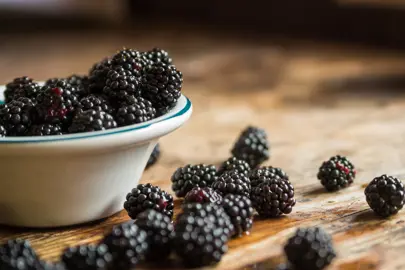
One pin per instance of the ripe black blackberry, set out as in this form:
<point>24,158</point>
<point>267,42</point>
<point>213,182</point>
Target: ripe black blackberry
<point>95,102</point>
<point>232,182</point>
<point>92,120</point>
<point>17,116</point>
<point>44,130</point>
<point>203,195</point>
<point>127,244</point>
<point>385,195</point>
<point>81,82</point>
<point>147,196</point>
<point>134,110</point>
<point>88,257</point>
<point>3,131</point>
<point>310,249</point>
<point>157,55</point>
<point>131,60</point>
<point>161,84</point>
<point>261,174</point>
<point>16,85</point>
<point>18,254</point>
<point>160,233</point>
<point>239,209</point>
<point>190,176</point>
<point>121,83</point>
<point>252,146</point>
<point>234,164</point>
<point>273,197</point>
<point>336,173</point>
<point>98,75</point>
<point>154,156</point>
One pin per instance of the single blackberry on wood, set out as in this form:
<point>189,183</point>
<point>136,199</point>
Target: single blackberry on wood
<point>273,197</point>
<point>147,196</point>
<point>190,176</point>
<point>261,174</point>
<point>95,102</point>
<point>98,75</point>
<point>239,209</point>
<point>44,130</point>
<point>160,233</point>
<point>18,254</point>
<point>336,173</point>
<point>88,257</point>
<point>232,182</point>
<point>234,164</point>
<point>385,195</point>
<point>15,86</point>
<point>203,195</point>
<point>127,244</point>
<point>134,110</point>
<point>17,116</point>
<point>157,55</point>
<point>121,83</point>
<point>92,120</point>
<point>310,249</point>
<point>154,156</point>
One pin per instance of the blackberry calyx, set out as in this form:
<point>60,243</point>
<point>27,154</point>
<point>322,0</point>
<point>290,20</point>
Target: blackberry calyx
<point>153,158</point>
<point>134,110</point>
<point>44,130</point>
<point>92,120</point>
<point>336,173</point>
<point>232,182</point>
<point>259,175</point>
<point>17,116</point>
<point>239,209</point>
<point>234,164</point>
<point>203,195</point>
<point>88,257</point>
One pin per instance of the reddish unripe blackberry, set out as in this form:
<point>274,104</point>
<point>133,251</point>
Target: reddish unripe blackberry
<point>336,173</point>
<point>203,195</point>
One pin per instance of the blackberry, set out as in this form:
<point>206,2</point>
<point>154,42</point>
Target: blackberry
<point>190,176</point>
<point>17,116</point>
<point>44,130</point>
<point>234,164</point>
<point>131,60</point>
<point>385,195</point>
<point>161,84</point>
<point>310,249</point>
<point>15,86</point>
<point>92,120</point>
<point>261,174</point>
<point>121,83</point>
<point>52,82</point>
<point>18,254</point>
<point>95,102</point>
<point>88,257</point>
<point>81,82</point>
<point>127,244</point>
<point>273,197</point>
<point>336,173</point>
<point>154,156</point>
<point>157,55</point>
<point>252,146</point>
<point>3,132</point>
<point>134,110</point>
<point>98,75</point>
<point>160,231</point>
<point>147,196</point>
<point>203,195</point>
<point>232,182</point>
<point>239,209</point>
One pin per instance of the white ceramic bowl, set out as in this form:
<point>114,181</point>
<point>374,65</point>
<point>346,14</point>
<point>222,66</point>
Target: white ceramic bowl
<point>63,180</point>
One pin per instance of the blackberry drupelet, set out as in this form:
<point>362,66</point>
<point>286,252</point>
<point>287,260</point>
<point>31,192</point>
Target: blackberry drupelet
<point>121,83</point>
<point>232,182</point>
<point>157,55</point>
<point>385,195</point>
<point>161,84</point>
<point>234,164</point>
<point>127,244</point>
<point>44,130</point>
<point>92,120</point>
<point>14,86</point>
<point>98,75</point>
<point>3,131</point>
<point>88,257</point>
<point>261,174</point>
<point>252,146</point>
<point>239,209</point>
<point>134,110</point>
<point>147,196</point>
<point>310,249</point>
<point>17,116</point>
<point>18,254</point>
<point>160,233</point>
<point>190,176</point>
<point>95,102</point>
<point>336,173</point>
<point>203,195</point>
<point>273,197</point>
<point>154,156</point>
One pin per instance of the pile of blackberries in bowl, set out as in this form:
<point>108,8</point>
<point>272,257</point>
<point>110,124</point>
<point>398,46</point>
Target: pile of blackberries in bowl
<point>129,87</point>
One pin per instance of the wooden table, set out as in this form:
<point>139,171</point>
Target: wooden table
<point>315,100</point>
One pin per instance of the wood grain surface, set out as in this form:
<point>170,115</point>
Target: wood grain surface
<point>315,101</point>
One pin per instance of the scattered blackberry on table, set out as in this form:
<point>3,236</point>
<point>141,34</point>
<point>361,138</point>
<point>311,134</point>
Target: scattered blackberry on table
<point>121,83</point>
<point>261,174</point>
<point>127,244</point>
<point>92,120</point>
<point>95,102</point>
<point>273,197</point>
<point>310,249</point>
<point>336,173</point>
<point>88,257</point>
<point>252,146</point>
<point>98,75</point>
<point>147,196</point>
<point>3,131</point>
<point>17,116</point>
<point>203,195</point>
<point>44,130</point>
<point>385,195</point>
<point>232,182</point>
<point>16,85</point>
<point>18,254</point>
<point>160,233</point>
<point>234,164</point>
<point>134,110</point>
<point>157,55</point>
<point>239,209</point>
<point>186,178</point>
<point>154,156</point>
